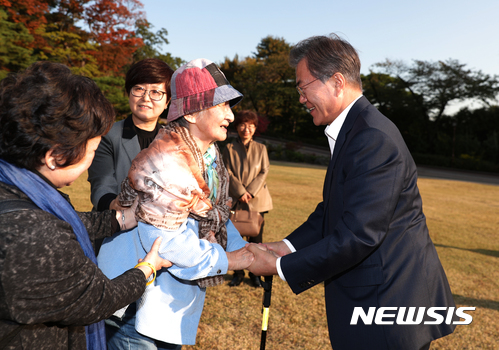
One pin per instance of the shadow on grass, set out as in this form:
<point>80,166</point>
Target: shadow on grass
<point>488,252</point>
<point>479,303</point>
<point>229,276</point>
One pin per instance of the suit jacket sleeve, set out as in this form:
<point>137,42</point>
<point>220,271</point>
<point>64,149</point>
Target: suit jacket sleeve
<point>360,197</point>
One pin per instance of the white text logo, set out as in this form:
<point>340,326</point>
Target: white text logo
<point>398,315</point>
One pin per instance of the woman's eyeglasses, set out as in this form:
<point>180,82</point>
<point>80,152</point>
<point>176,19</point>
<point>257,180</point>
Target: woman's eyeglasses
<point>155,95</point>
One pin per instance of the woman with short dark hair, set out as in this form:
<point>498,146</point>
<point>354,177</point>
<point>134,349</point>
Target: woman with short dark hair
<point>147,86</point>
<point>50,286</point>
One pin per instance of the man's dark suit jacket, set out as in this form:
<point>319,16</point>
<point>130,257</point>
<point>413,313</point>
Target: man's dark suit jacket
<point>368,240</point>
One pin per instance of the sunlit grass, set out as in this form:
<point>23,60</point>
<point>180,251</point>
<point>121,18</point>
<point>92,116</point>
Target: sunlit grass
<point>462,218</point>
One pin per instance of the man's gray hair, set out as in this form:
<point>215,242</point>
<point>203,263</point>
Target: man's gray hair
<point>327,55</point>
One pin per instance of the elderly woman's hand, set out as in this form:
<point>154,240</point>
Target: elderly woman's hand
<point>153,258</point>
<point>126,215</point>
<point>115,205</point>
<point>240,259</point>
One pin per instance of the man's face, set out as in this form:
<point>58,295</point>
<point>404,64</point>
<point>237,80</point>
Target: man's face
<point>323,100</point>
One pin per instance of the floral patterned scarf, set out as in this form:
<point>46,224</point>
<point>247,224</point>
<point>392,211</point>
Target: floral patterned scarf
<point>174,180</point>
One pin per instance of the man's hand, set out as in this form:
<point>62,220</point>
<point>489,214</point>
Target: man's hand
<point>265,260</point>
<point>280,248</point>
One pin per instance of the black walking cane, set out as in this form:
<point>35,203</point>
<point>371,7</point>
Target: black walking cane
<point>267,287</point>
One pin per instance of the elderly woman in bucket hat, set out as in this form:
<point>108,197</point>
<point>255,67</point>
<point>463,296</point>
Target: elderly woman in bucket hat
<point>182,188</point>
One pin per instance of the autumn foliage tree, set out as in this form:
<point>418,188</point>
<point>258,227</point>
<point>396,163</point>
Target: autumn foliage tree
<point>112,28</point>
<point>102,38</point>
<point>30,14</point>
<point>92,37</point>
<point>12,56</point>
<point>96,38</point>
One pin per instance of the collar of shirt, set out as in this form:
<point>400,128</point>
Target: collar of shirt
<point>333,129</point>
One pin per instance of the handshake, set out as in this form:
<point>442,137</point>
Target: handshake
<point>260,259</point>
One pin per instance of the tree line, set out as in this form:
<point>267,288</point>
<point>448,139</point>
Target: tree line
<point>102,38</point>
<point>417,97</point>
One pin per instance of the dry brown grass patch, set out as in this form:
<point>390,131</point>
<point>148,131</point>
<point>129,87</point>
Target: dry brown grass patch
<point>462,218</point>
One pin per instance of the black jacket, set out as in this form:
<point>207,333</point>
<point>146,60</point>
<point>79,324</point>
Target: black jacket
<point>48,285</point>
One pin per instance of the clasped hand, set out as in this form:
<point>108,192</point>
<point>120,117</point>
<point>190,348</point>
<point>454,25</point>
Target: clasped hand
<point>260,259</point>
<point>266,255</point>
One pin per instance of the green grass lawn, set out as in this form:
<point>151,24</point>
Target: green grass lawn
<point>462,218</point>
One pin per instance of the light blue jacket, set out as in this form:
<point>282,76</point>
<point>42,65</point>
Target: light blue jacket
<point>170,308</point>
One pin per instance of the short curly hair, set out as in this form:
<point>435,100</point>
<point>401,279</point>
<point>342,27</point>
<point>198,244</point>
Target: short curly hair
<point>46,107</point>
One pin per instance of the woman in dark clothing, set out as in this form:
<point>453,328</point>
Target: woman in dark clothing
<point>50,286</point>
<point>147,85</point>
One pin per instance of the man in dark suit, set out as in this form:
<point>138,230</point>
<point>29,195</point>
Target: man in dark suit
<point>367,240</point>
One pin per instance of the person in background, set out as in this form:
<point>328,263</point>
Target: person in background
<point>247,162</point>
<point>367,241</point>
<point>188,206</point>
<point>147,85</point>
<point>50,287</point>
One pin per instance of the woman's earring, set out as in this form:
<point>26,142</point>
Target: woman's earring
<point>52,167</point>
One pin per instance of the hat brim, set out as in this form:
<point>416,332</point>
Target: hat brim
<point>207,99</point>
